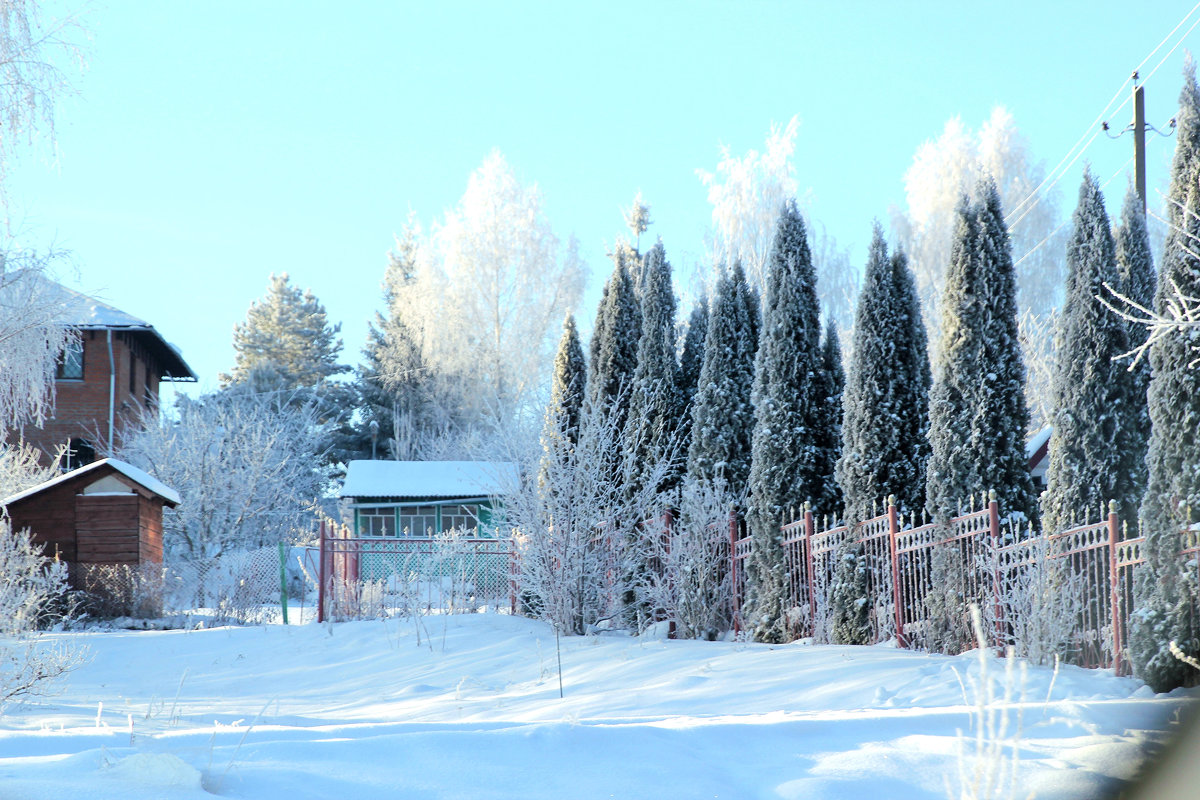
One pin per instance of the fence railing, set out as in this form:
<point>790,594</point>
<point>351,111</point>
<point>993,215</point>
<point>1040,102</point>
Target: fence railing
<point>1091,567</point>
<point>368,577</point>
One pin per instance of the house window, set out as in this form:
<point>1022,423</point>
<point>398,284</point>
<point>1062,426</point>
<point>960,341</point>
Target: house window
<point>70,363</point>
<point>79,453</point>
<point>464,518</point>
<point>377,522</point>
<point>418,520</point>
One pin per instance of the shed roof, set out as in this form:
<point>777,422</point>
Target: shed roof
<point>429,479</point>
<point>140,477</point>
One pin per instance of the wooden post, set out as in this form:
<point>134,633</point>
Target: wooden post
<point>322,571</point>
<point>994,529</point>
<point>808,547</point>
<point>1114,580</point>
<point>893,532</point>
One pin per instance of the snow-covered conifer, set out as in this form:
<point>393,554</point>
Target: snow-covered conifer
<point>789,409</point>
<point>691,357</point>
<point>884,444</point>
<point>1094,395</point>
<point>286,341</point>
<point>613,349</point>
<point>654,401</point>
<point>832,387</point>
<point>568,382</point>
<point>977,409</point>
<point>1135,274</point>
<point>1165,590</point>
<point>849,596</point>
<point>722,417</point>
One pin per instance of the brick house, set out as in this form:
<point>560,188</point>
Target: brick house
<point>113,372</point>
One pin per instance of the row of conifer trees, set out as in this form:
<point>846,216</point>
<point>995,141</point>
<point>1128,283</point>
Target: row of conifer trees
<point>757,400</point>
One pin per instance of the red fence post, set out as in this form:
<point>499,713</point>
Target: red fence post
<point>893,532</point>
<point>808,557</point>
<point>1114,580</point>
<point>994,529</point>
<point>322,571</point>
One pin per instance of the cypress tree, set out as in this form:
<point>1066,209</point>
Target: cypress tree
<point>884,444</point>
<point>1093,394</point>
<point>1165,590</point>
<point>722,418</point>
<point>654,402</point>
<point>789,408</point>
<point>1135,276</point>
<point>829,436</point>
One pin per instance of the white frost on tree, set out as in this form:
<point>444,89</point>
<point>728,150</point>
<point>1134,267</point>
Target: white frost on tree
<point>491,289</point>
<point>953,164</point>
<point>34,312</point>
<point>747,193</point>
<point>245,464</point>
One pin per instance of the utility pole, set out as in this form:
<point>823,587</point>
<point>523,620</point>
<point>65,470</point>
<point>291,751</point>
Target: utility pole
<point>1139,140</point>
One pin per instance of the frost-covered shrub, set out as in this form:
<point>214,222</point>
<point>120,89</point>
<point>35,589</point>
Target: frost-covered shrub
<point>1041,601</point>
<point>33,595</point>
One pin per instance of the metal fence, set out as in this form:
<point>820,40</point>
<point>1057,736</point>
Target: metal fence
<point>361,577</point>
<point>1088,571</point>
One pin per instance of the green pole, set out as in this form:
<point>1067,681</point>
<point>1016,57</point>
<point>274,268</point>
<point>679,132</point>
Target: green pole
<point>283,581</point>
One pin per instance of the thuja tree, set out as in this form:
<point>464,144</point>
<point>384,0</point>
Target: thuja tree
<point>1094,394</point>
<point>884,443</point>
<point>654,400</point>
<point>828,494</point>
<point>789,408</point>
<point>613,349</point>
<point>569,380</point>
<point>1135,275</point>
<point>977,409</point>
<point>1165,591</point>
<point>691,358</point>
<point>722,416</point>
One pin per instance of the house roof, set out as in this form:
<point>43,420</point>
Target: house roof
<point>1037,446</point>
<point>143,479</point>
<point>89,314</point>
<point>429,479</point>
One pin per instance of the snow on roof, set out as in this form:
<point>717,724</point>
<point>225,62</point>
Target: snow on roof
<point>1037,441</point>
<point>134,474</point>
<point>429,479</point>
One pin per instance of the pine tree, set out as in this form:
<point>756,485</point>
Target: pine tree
<point>286,341</point>
<point>722,415</point>
<point>1093,394</point>
<point>654,402</point>
<point>1165,590</point>
<point>789,409</point>
<point>849,596</point>
<point>1135,275</point>
<point>884,443</point>
<point>832,387</point>
<point>977,408</point>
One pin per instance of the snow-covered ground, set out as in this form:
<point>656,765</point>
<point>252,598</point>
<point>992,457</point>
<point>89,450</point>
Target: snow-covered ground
<point>469,707</point>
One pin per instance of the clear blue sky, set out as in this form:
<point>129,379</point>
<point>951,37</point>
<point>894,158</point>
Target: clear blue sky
<point>213,143</point>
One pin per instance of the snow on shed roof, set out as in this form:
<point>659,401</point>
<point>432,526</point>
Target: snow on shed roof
<point>429,479</point>
<point>134,474</point>
<point>1037,442</point>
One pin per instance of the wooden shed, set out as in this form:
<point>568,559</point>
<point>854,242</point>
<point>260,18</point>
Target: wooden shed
<point>104,513</point>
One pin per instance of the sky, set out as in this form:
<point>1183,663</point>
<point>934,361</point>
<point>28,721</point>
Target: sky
<point>208,145</point>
